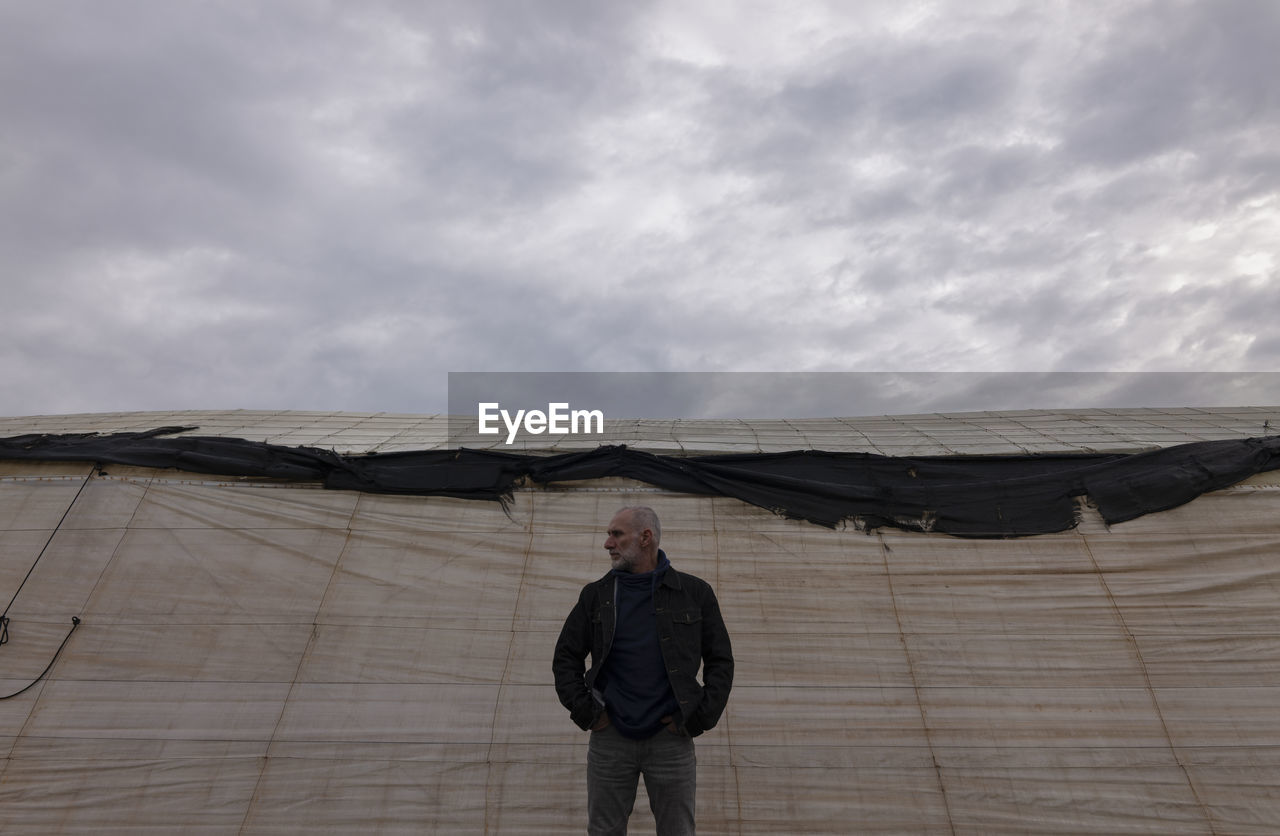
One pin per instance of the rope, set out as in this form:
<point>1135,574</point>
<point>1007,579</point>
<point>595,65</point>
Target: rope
<point>75,622</point>
<point>5,616</point>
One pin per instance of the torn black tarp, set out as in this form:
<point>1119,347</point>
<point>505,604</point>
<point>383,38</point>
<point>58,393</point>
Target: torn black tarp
<point>967,496</point>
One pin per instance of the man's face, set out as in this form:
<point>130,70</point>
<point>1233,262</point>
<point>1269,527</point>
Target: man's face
<point>623,542</point>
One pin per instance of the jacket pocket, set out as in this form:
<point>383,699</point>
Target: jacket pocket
<point>686,629</point>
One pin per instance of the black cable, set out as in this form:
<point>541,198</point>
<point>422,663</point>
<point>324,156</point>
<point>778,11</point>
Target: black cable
<point>75,622</point>
<point>43,549</point>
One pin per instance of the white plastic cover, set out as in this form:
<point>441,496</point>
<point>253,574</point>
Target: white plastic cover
<point>281,659</point>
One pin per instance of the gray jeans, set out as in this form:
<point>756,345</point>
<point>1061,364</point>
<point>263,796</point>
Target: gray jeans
<point>614,765</point>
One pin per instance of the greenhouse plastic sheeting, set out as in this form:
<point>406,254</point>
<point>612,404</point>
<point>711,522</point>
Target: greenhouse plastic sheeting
<point>265,658</point>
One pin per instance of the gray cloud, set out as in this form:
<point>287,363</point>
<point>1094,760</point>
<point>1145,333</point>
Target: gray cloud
<point>298,206</point>
<point>1176,76</point>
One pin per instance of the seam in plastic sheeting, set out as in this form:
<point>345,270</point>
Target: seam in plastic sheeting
<point>1150,691</point>
<point>885,551</point>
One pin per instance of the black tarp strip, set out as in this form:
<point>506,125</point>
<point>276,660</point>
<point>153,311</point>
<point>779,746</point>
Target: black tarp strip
<point>966,496</point>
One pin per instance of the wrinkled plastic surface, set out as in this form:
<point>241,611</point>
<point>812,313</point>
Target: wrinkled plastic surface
<point>276,658</point>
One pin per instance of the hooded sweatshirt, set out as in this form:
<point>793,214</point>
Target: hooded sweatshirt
<point>636,688</point>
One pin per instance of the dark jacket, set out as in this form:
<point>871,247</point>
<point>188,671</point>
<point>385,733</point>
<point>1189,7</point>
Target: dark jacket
<point>691,633</point>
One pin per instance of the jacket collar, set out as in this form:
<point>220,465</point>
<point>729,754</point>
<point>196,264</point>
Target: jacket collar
<point>670,577</point>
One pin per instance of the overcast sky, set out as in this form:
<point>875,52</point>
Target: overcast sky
<point>330,205</point>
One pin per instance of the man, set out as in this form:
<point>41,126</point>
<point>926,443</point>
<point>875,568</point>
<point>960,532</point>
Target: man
<point>647,628</point>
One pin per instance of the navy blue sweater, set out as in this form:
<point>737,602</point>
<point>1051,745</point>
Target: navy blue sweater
<point>636,689</point>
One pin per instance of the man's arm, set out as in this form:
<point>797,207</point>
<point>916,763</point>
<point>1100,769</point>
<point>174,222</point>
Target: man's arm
<point>569,668</point>
<point>717,667</point>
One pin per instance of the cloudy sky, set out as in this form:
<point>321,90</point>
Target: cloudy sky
<point>330,205</point>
